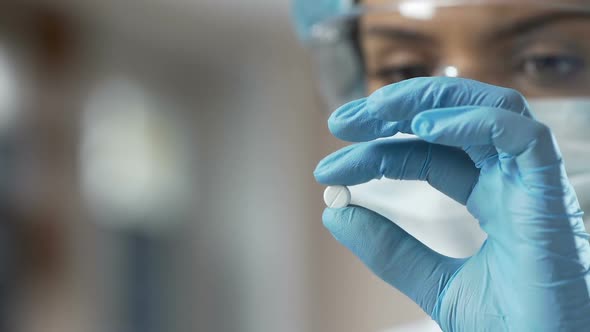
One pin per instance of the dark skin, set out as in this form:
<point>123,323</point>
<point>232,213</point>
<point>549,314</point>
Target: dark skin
<point>538,51</point>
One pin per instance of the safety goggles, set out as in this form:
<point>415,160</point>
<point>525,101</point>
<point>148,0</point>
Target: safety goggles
<point>540,48</point>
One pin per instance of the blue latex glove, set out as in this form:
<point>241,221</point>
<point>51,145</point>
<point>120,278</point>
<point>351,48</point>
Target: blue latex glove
<point>479,145</point>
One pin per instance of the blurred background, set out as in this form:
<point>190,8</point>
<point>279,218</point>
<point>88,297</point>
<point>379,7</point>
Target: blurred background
<point>156,163</point>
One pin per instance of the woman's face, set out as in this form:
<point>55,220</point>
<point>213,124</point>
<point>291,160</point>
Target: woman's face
<point>538,51</point>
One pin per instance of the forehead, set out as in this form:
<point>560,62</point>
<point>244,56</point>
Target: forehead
<point>472,22</point>
<point>476,10</point>
<point>482,15</point>
<point>475,13</point>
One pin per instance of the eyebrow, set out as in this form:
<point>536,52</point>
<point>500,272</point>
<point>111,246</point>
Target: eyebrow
<point>528,25</point>
<point>398,33</point>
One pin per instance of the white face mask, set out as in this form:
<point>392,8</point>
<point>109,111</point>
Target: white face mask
<point>445,225</point>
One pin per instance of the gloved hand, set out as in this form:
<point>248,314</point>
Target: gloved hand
<point>479,145</point>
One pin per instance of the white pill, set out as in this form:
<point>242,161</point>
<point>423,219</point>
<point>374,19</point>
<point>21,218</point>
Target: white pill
<point>337,196</point>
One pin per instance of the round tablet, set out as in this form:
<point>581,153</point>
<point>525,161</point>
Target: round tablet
<point>337,196</point>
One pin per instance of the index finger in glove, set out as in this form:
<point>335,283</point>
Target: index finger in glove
<point>390,109</point>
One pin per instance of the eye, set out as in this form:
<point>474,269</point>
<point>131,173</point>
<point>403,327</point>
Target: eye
<point>549,68</point>
<point>394,74</point>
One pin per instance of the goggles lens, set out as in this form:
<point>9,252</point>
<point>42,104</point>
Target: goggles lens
<point>539,50</point>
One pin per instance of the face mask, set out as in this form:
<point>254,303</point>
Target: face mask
<point>569,120</point>
<point>445,225</point>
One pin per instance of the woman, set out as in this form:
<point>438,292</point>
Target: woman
<point>495,98</point>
